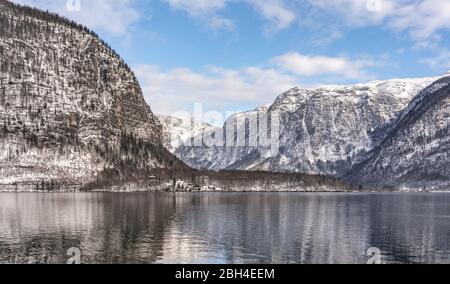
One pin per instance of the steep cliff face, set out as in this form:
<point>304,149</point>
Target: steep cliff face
<point>323,130</point>
<point>70,108</point>
<point>415,152</point>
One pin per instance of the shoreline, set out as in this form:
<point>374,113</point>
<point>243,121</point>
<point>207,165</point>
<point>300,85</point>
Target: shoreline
<point>223,182</point>
<point>216,191</point>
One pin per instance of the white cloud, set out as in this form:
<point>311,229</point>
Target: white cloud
<point>169,91</point>
<point>205,10</point>
<point>422,19</point>
<point>198,7</point>
<point>218,22</point>
<point>440,61</point>
<point>358,12</point>
<point>304,65</point>
<point>274,11</point>
<point>112,16</point>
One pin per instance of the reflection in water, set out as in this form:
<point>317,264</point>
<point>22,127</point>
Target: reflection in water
<point>224,228</point>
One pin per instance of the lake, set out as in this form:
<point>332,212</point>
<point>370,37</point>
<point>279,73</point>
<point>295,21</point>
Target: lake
<point>224,227</point>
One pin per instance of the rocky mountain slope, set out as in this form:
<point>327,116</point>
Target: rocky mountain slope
<point>322,130</point>
<point>178,130</point>
<point>416,151</point>
<point>217,157</point>
<point>71,110</point>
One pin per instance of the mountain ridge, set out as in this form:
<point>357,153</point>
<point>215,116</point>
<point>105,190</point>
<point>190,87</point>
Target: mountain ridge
<point>414,154</point>
<point>324,130</point>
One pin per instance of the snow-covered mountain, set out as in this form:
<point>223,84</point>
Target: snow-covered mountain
<point>415,153</point>
<point>220,157</point>
<point>323,130</point>
<point>178,130</point>
<point>71,110</point>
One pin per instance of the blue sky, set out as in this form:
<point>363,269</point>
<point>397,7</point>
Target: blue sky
<point>234,55</point>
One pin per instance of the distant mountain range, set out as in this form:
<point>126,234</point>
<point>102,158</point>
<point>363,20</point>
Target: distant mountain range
<point>343,131</point>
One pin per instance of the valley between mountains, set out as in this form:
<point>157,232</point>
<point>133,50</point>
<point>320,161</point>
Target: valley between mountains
<point>73,117</point>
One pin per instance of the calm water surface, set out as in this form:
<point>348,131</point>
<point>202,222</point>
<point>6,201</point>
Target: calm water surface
<point>224,228</point>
